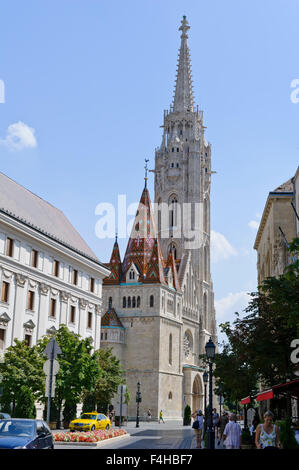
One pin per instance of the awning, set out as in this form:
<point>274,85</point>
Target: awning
<point>265,395</point>
<point>245,401</point>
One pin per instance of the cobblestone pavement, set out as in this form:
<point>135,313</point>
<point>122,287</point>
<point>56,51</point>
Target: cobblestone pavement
<point>171,435</point>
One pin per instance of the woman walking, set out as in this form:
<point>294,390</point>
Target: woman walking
<point>267,434</point>
<point>198,427</point>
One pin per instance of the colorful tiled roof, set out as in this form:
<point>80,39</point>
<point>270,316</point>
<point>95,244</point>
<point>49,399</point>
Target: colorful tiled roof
<point>110,319</point>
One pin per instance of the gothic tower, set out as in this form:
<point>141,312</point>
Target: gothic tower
<point>182,193</point>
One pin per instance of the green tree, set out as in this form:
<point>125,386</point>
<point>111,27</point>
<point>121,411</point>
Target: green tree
<point>111,376</point>
<point>79,368</point>
<point>25,407</point>
<point>22,367</point>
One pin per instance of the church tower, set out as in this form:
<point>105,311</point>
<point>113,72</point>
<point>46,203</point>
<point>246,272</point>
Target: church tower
<point>182,193</point>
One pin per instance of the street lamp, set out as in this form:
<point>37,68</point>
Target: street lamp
<point>210,353</point>
<point>205,377</point>
<point>138,400</point>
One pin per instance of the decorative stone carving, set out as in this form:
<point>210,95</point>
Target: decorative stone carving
<point>32,283</point>
<point>4,319</point>
<point>7,274</point>
<point>64,296</point>
<point>29,326</point>
<point>54,292</point>
<point>187,344</point>
<point>44,288</point>
<point>83,303</point>
<point>21,280</point>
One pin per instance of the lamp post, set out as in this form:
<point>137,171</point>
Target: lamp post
<point>210,353</point>
<point>138,400</point>
<point>205,377</point>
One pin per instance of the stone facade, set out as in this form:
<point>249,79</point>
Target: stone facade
<point>276,230</point>
<point>165,303</point>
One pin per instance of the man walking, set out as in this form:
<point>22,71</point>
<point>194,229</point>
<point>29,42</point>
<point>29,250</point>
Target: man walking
<point>161,417</point>
<point>232,433</point>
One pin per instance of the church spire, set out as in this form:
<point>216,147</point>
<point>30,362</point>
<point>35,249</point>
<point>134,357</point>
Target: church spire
<point>183,95</point>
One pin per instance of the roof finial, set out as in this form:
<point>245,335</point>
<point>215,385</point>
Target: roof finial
<point>184,27</point>
<point>146,170</point>
<point>116,235</point>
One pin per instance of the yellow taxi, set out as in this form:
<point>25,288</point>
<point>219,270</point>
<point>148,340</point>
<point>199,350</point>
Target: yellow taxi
<point>90,422</point>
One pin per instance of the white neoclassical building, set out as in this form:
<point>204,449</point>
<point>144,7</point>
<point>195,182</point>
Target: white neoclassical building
<point>48,274</point>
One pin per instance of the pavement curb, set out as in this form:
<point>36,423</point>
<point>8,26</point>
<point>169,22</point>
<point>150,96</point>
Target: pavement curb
<point>92,444</point>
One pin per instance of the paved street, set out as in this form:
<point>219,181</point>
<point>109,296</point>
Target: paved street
<point>171,435</point>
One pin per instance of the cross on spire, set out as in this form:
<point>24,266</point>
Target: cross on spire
<point>146,170</point>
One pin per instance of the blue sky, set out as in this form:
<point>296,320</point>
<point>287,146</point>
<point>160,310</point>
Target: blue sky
<point>91,79</point>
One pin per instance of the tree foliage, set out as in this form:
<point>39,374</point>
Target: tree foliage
<point>111,376</point>
<point>258,347</point>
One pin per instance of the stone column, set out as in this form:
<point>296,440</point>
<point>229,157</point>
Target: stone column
<point>43,309</point>
<point>82,317</point>
<point>19,308</point>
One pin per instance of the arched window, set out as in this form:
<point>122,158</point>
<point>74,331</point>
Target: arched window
<point>173,211</point>
<point>110,302</point>
<point>129,302</point>
<point>170,396</point>
<point>138,301</point>
<point>151,301</point>
<point>132,274</point>
<point>133,302</point>
<point>170,349</point>
<point>124,302</point>
<point>172,247</point>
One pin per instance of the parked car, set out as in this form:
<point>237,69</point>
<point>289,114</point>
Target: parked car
<point>4,415</point>
<point>25,434</point>
<point>90,422</point>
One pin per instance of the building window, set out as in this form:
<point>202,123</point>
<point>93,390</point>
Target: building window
<point>151,301</point>
<point>138,301</point>
<point>177,149</point>
<point>91,286</point>
<point>9,247</point>
<point>2,339</point>
<point>72,314</point>
<point>133,302</point>
<point>30,300</point>
<point>27,340</point>
<point>110,302</point>
<point>5,291</point>
<point>34,258</point>
<point>75,277</point>
<point>52,307</point>
<point>55,268</point>
<point>170,396</point>
<point>124,302</point>
<point>106,336</point>
<point>172,165</point>
<point>89,320</point>
<point>129,302</point>
<point>170,349</point>
<point>132,274</point>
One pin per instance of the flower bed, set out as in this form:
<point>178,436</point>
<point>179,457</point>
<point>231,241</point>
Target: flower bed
<point>87,436</point>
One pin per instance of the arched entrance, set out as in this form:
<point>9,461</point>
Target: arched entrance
<point>197,394</point>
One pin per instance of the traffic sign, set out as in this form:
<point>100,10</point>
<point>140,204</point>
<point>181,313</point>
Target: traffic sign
<point>47,367</point>
<point>52,349</point>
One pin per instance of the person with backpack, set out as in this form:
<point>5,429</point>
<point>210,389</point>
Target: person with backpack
<point>198,426</point>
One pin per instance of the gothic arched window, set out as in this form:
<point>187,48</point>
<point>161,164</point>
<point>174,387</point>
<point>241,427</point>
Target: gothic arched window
<point>133,302</point>
<point>110,302</point>
<point>129,302</point>
<point>151,301</point>
<point>173,202</point>
<point>138,301</point>
<point>124,302</point>
<point>172,247</point>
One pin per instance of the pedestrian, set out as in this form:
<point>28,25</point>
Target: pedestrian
<point>267,434</point>
<point>232,433</point>
<point>198,426</point>
<point>149,415</point>
<point>161,417</point>
<point>215,418</point>
<point>222,423</point>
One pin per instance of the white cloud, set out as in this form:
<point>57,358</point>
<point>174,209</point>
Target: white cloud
<point>19,136</point>
<point>254,224</point>
<point>227,306</point>
<point>220,247</point>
